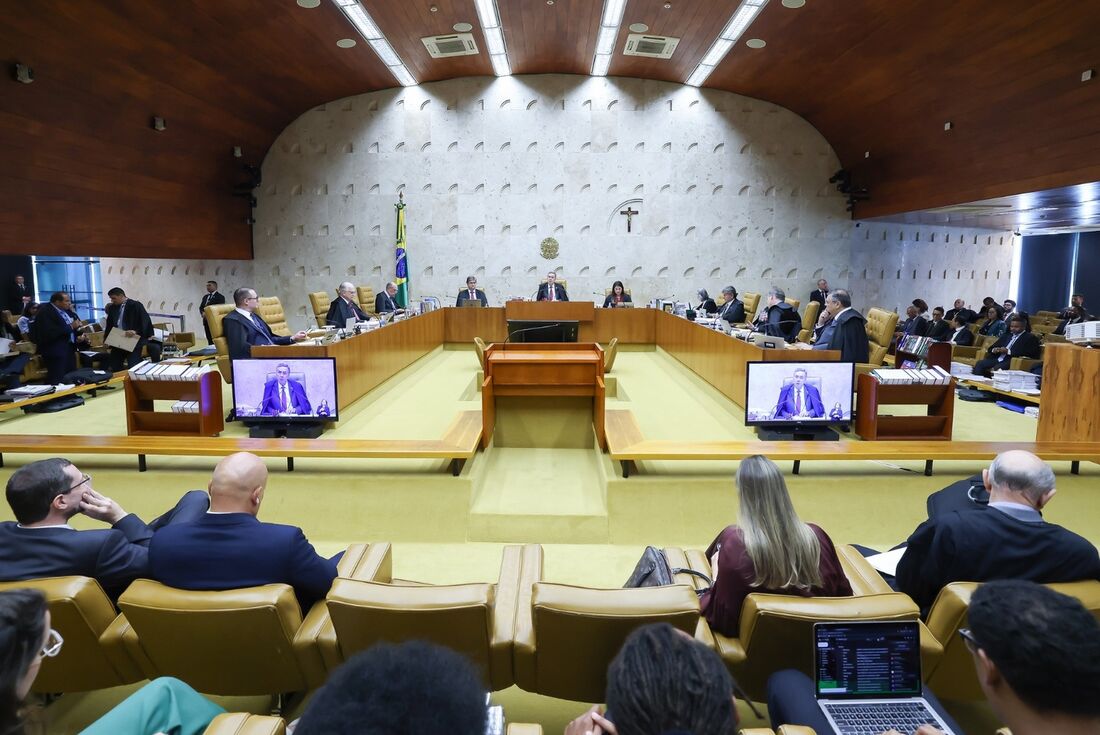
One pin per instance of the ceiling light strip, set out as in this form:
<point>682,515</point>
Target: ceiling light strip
<point>738,23</point>
<point>610,20</point>
<point>494,36</point>
<point>358,16</point>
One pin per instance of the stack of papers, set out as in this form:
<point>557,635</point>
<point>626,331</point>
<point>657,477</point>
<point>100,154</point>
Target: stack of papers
<point>167,370</point>
<point>926,376</point>
<point>31,391</point>
<point>1016,380</point>
<point>961,370</point>
<point>185,407</point>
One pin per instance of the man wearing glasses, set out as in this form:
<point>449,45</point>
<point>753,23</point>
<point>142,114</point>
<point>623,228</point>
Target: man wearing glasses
<point>45,495</point>
<point>244,328</point>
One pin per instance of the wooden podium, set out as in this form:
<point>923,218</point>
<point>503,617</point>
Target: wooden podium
<point>543,369</point>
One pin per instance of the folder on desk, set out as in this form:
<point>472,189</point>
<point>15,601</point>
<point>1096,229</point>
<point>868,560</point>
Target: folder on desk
<point>118,339</point>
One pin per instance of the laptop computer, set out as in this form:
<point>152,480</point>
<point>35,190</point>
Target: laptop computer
<point>867,677</point>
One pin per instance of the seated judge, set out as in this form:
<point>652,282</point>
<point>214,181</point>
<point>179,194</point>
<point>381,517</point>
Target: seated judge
<point>45,495</point>
<point>993,326</point>
<point>843,329</point>
<point>343,307</point>
<point>706,303</point>
<point>778,318</point>
<point>799,400</point>
<point>283,396</point>
<point>771,550</point>
<point>1018,341</point>
<point>229,547</point>
<point>385,302</point>
<point>551,290</point>
<point>960,331</point>
<point>733,308</point>
<point>130,316</point>
<point>617,297</point>
<point>244,328</point>
<point>939,329</point>
<point>471,293</point>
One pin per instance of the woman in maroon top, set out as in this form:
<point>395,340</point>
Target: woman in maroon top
<point>770,551</point>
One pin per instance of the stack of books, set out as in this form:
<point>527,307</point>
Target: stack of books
<point>961,369</point>
<point>917,346</point>
<point>1019,381</point>
<point>185,407</point>
<point>167,370</point>
<point>926,376</point>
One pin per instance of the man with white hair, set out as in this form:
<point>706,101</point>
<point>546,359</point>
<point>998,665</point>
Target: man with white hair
<point>343,307</point>
<point>1007,539</point>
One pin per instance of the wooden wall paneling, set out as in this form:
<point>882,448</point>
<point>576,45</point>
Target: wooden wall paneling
<point>462,324</point>
<point>696,24</point>
<point>405,23</point>
<point>1069,405</point>
<point>631,326</point>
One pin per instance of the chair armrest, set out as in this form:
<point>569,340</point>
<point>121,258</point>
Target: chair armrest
<point>756,731</point>
<point>243,723</point>
<point>521,728</point>
<point>115,650</point>
<point>863,577</point>
<point>368,563</point>
<point>1023,363</point>
<point>964,351</point>
<point>523,653</point>
<point>505,601</point>
<point>307,644</point>
<point>796,730</point>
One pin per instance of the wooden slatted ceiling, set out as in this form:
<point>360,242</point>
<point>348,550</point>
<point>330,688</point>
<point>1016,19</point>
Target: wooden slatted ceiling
<point>405,23</point>
<point>696,24</point>
<point>549,39</point>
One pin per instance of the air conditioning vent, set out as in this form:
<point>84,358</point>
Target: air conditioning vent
<point>655,47</point>
<point>455,44</point>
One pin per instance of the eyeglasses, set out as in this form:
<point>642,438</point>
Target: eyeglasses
<point>53,644</point>
<point>83,479</point>
<point>971,641</point>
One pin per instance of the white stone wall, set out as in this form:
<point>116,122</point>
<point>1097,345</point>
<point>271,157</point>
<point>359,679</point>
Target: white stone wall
<point>728,189</point>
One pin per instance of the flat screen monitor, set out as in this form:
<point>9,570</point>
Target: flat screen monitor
<point>798,393</point>
<point>542,331</point>
<point>284,390</point>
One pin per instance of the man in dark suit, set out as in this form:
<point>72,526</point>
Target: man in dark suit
<point>845,329</point>
<point>1014,343</point>
<point>230,547</point>
<point>385,303</point>
<point>960,331</point>
<point>1007,539</point>
<point>212,297</point>
<point>778,319</point>
<point>799,400</point>
<point>44,495</point>
<point>343,307</point>
<point>939,329</point>
<point>244,328</point>
<point>131,317</point>
<point>960,308</point>
<point>1076,301</point>
<point>55,336</point>
<point>822,292</point>
<point>733,309</point>
<point>471,293</point>
<point>914,325</point>
<point>18,296</point>
<point>283,395</point>
<point>551,290</point>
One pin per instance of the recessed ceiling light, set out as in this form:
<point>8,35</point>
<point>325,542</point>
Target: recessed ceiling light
<point>793,3</point>
<point>667,6</point>
<point>756,43</point>
<point>346,43</point>
<point>638,28</point>
<point>549,2</point>
<point>462,27</point>
<point>433,8</point>
<point>308,3</point>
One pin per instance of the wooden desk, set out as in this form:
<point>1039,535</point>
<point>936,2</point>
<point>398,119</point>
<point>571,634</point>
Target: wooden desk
<point>631,326</point>
<point>988,388</point>
<point>365,361</point>
<point>542,369</point>
<point>121,377</point>
<point>1070,406</point>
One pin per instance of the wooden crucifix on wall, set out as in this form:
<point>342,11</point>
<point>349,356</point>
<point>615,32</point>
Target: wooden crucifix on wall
<point>629,215</point>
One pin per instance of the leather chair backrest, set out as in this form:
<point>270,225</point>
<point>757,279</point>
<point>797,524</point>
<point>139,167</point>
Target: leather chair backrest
<point>214,315</point>
<point>809,317</point>
<point>458,616</point>
<point>579,630</point>
<point>793,302</point>
<point>610,353</point>
<point>560,281</point>
<point>366,298</point>
<point>271,311</point>
<point>953,674</point>
<point>244,723</point>
<point>480,346</point>
<point>880,327</point>
<point>233,642</point>
<point>80,611</point>
<point>607,291</point>
<point>320,301</point>
<point>752,303</point>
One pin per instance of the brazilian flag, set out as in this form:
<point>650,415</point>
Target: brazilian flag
<point>401,272</point>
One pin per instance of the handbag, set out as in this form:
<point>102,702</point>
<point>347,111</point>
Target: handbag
<point>653,570</point>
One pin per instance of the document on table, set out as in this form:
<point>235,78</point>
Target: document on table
<point>117,338</point>
<point>887,561</point>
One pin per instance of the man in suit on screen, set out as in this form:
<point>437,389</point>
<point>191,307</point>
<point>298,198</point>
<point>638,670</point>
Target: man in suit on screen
<point>343,307</point>
<point>799,400</point>
<point>283,395</point>
<point>551,290</point>
<point>244,328</point>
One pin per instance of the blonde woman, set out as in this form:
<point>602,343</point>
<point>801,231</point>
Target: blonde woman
<point>770,551</point>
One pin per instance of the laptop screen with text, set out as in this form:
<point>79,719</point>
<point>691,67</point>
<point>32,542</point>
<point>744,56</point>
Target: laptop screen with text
<point>867,660</point>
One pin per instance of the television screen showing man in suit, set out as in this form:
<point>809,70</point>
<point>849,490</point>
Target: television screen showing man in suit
<point>284,389</point>
<point>812,392</point>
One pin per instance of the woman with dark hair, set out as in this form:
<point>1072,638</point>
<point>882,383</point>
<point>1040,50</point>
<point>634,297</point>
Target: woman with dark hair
<point>706,303</point>
<point>663,681</point>
<point>161,706</point>
<point>993,326</point>
<point>617,297</point>
<point>771,550</point>
<point>30,311</point>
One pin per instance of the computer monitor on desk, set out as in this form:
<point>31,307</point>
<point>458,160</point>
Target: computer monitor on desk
<point>542,331</point>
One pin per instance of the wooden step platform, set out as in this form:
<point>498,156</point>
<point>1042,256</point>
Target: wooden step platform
<point>626,444</point>
<point>459,442</point>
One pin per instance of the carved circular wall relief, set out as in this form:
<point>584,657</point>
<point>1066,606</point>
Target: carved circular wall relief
<point>549,248</point>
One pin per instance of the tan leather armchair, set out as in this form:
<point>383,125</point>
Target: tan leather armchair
<point>320,301</point>
<point>565,636</point>
<point>809,321</point>
<point>474,619</point>
<point>952,676</point>
<point>243,723</point>
<point>366,298</point>
<point>880,333</point>
<point>970,354</point>
<point>480,347</point>
<point>752,303</point>
<point>271,311</point>
<point>214,315</point>
<point>610,354</point>
<point>93,656</point>
<point>776,631</point>
<point>793,302</point>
